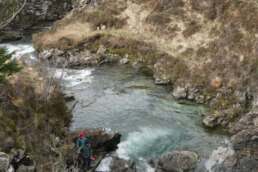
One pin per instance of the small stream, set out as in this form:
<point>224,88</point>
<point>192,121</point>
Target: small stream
<point>120,99</point>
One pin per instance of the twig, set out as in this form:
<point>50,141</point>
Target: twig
<point>8,21</point>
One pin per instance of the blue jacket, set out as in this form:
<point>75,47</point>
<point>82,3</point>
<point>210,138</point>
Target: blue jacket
<point>86,151</point>
<point>81,142</point>
<point>83,147</point>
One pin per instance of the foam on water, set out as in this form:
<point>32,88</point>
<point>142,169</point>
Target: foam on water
<point>72,77</point>
<point>20,49</point>
<point>138,142</point>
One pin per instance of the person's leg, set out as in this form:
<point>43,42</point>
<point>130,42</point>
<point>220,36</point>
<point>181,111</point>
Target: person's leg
<point>84,165</point>
<point>81,162</point>
<point>88,162</point>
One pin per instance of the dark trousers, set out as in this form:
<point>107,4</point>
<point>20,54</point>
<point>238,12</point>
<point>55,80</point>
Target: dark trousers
<point>84,163</point>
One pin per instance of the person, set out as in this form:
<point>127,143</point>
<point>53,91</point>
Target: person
<point>84,151</point>
<point>81,141</point>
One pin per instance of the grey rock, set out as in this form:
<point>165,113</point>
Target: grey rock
<point>246,140</point>
<point>221,158</point>
<point>70,59</point>
<point>161,74</point>
<point>200,99</point>
<point>247,121</point>
<point>121,165</point>
<point>177,161</point>
<point>160,81</point>
<point>210,121</point>
<point>6,36</point>
<point>192,93</point>
<point>180,93</point>
<point>4,162</point>
<point>245,158</point>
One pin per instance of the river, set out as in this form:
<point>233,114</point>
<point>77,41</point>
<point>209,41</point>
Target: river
<point>121,99</point>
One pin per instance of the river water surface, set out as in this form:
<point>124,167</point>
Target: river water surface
<point>121,99</point>
<point>150,120</point>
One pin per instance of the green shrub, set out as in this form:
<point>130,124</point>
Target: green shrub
<point>8,66</point>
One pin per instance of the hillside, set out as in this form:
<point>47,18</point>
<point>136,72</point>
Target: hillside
<point>206,50</point>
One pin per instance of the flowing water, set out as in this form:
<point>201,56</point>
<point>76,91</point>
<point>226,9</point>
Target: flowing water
<point>121,99</point>
<point>150,120</point>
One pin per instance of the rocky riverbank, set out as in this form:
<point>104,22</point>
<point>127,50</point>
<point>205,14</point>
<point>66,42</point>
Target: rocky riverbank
<point>205,50</point>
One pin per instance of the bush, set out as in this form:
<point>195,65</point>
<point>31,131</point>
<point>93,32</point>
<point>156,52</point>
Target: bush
<point>8,66</point>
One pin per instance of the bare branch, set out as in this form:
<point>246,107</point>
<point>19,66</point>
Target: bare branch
<point>8,21</point>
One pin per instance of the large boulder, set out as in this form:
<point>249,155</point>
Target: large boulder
<point>180,93</point>
<point>177,161</point>
<point>4,162</point>
<point>248,121</point>
<point>244,144</point>
<point>6,36</point>
<point>221,159</point>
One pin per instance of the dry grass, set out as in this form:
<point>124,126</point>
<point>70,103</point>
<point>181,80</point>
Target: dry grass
<point>66,37</point>
<point>30,116</point>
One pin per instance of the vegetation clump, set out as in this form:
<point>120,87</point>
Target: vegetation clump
<point>8,66</point>
<point>33,114</point>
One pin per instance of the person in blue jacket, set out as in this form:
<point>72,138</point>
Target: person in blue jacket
<point>84,151</point>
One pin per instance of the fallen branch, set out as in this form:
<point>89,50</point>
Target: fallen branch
<point>8,21</point>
